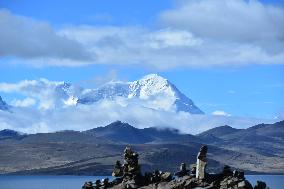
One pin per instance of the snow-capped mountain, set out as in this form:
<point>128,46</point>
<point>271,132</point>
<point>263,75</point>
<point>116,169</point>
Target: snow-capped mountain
<point>151,91</point>
<point>3,105</point>
<point>109,91</point>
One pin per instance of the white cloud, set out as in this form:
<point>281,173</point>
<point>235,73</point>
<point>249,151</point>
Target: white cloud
<point>27,38</point>
<point>23,103</point>
<point>220,113</point>
<point>170,48</point>
<point>102,113</point>
<point>172,38</point>
<point>236,20</point>
<point>195,34</point>
<point>49,94</point>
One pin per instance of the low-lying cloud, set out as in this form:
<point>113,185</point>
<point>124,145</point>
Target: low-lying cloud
<point>41,91</point>
<point>83,117</point>
<point>27,102</point>
<point>49,106</point>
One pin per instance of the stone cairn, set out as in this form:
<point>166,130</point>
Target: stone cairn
<point>131,175</point>
<point>201,163</point>
<point>183,171</point>
<point>128,175</point>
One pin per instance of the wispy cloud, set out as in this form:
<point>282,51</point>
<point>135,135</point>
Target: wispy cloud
<point>231,91</point>
<point>98,80</point>
<point>220,113</point>
<point>27,102</point>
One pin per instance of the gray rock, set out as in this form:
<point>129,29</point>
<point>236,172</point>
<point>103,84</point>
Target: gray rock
<point>132,177</point>
<point>260,185</point>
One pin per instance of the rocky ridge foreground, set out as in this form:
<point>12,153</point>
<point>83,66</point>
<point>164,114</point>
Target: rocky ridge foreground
<point>129,175</point>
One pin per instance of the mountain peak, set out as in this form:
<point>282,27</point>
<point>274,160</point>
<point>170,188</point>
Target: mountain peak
<point>152,91</point>
<point>119,124</point>
<point>219,131</point>
<point>3,105</point>
<point>150,85</point>
<point>8,133</point>
<point>153,77</point>
<point>123,132</point>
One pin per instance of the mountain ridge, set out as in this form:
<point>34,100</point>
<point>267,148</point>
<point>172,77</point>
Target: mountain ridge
<point>94,151</point>
<point>123,132</point>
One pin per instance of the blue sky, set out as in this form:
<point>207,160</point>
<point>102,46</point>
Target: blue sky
<point>250,85</point>
<point>63,12</point>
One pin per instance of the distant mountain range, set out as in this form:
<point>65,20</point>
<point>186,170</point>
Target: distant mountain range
<point>124,133</point>
<point>258,149</point>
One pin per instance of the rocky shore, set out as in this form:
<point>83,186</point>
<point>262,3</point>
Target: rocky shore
<point>128,175</point>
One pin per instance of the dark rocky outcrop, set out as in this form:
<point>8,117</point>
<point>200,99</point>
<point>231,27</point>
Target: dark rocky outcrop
<point>129,175</point>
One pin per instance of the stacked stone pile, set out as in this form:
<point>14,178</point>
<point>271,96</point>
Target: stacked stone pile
<point>128,175</point>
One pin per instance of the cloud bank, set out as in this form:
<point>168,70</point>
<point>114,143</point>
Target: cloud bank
<point>47,107</point>
<point>84,117</point>
<point>235,20</point>
<point>43,93</point>
<point>194,34</point>
<point>26,38</point>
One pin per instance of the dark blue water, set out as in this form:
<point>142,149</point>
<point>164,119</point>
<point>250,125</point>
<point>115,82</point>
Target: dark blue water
<point>45,182</point>
<point>76,182</point>
<point>273,181</point>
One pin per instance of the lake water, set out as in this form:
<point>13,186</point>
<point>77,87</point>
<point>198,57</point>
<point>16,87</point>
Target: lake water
<point>76,182</point>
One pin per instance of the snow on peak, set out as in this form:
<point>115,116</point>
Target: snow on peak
<point>153,77</point>
<point>150,85</point>
<point>152,91</point>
